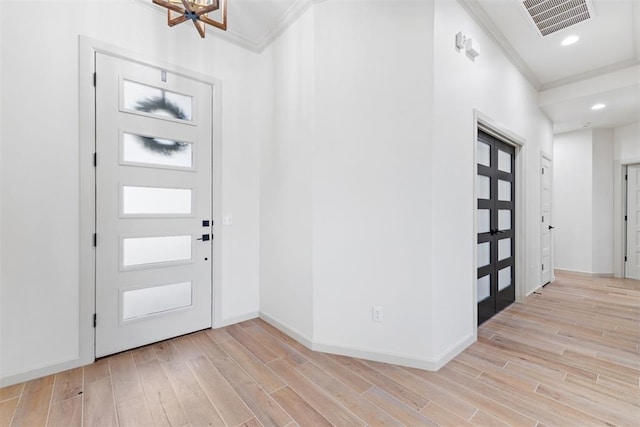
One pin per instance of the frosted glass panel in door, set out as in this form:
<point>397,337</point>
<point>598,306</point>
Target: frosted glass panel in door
<point>504,219</point>
<point>504,161</point>
<point>504,278</point>
<point>154,250</point>
<point>140,149</point>
<point>484,254</point>
<point>156,201</point>
<point>484,288</point>
<point>155,101</point>
<point>504,249</point>
<point>484,187</point>
<point>145,302</point>
<point>484,220</point>
<point>484,154</point>
<point>504,190</point>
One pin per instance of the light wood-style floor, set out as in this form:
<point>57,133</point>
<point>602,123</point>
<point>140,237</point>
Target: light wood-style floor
<point>567,357</point>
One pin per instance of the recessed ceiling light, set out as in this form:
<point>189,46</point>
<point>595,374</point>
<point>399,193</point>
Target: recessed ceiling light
<point>598,106</point>
<point>570,40</point>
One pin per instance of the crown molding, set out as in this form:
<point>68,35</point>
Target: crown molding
<point>590,74</point>
<point>478,14</point>
<point>296,10</point>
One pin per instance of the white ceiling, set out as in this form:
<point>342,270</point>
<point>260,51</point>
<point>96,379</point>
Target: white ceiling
<point>570,79</point>
<point>602,67</point>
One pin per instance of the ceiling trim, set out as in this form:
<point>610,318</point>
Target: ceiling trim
<point>478,14</point>
<point>590,74</point>
<point>295,11</point>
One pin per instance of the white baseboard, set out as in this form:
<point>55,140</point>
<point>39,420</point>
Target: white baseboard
<point>236,319</point>
<point>583,273</point>
<point>39,372</point>
<point>410,361</point>
<point>42,372</point>
<point>292,332</point>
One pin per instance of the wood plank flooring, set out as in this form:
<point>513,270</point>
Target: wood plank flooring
<point>568,357</point>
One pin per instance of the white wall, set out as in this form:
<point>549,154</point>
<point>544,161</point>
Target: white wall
<point>392,178</point>
<point>371,169</point>
<point>583,199</point>
<point>285,193</point>
<point>40,171</point>
<point>1,192</point>
<point>627,142</point>
<point>573,200</point>
<point>626,151</point>
<point>494,87</point>
<point>602,181</point>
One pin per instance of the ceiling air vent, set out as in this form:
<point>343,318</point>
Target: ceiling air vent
<point>549,16</point>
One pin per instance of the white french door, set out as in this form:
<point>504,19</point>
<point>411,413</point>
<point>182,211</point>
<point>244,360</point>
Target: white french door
<point>153,205</point>
<point>632,258</point>
<point>546,227</point>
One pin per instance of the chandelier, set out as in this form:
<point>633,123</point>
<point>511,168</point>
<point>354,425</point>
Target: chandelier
<point>196,11</point>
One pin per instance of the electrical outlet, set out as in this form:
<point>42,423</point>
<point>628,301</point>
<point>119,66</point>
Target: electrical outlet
<point>376,313</point>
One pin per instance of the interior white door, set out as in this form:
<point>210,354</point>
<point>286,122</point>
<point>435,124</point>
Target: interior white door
<point>153,205</point>
<point>546,227</point>
<point>632,258</point>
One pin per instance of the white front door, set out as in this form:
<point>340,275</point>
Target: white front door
<point>546,235</point>
<point>153,205</point>
<point>632,258</point>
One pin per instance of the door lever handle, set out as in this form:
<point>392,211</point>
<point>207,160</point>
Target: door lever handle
<point>551,227</point>
<point>204,238</point>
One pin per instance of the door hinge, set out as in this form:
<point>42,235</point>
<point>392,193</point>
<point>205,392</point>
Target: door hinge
<point>95,320</point>
<point>542,218</point>
<point>95,240</point>
<point>95,159</point>
<point>542,267</point>
<point>625,258</point>
<point>94,79</point>
<point>626,177</point>
<point>625,217</point>
<point>542,171</point>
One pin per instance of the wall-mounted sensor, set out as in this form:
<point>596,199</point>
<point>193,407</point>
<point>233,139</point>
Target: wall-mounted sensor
<point>472,48</point>
<point>461,40</point>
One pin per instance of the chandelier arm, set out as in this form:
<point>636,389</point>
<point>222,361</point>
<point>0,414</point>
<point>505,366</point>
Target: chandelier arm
<point>222,25</point>
<point>177,20</point>
<point>187,5</point>
<point>168,5</point>
<point>207,9</point>
<point>200,27</point>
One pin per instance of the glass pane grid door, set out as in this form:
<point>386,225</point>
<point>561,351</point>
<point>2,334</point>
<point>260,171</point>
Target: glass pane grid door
<point>153,205</point>
<point>495,192</point>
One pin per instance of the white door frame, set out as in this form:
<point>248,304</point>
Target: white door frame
<point>490,126</point>
<point>88,47</point>
<point>619,211</point>
<point>545,156</point>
